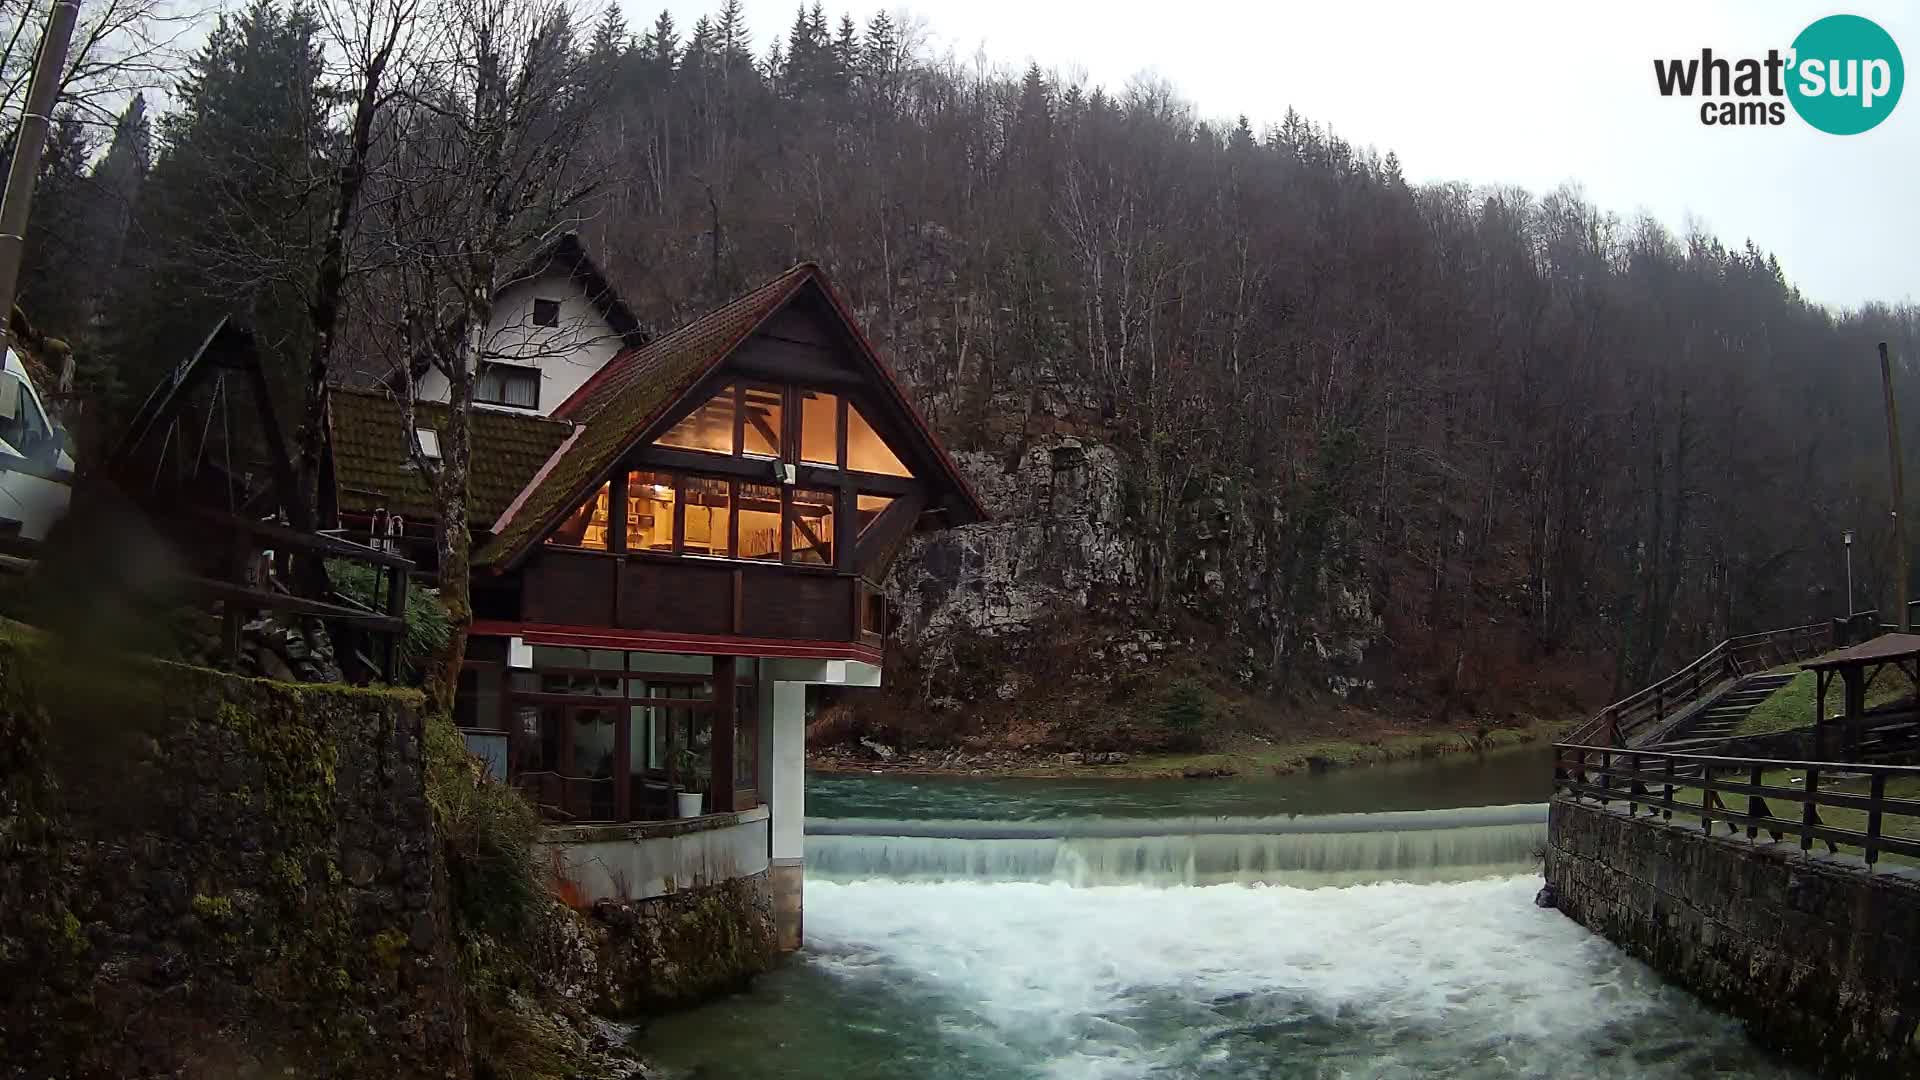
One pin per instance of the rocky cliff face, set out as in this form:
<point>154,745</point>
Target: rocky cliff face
<point>1045,603</point>
<point>1057,543</point>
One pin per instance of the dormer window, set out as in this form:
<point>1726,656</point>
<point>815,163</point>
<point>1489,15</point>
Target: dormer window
<point>546,312</point>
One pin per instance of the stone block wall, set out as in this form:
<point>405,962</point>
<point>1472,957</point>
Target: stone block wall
<point>1817,955</point>
<point>684,947</point>
<point>634,958</point>
<point>208,876</point>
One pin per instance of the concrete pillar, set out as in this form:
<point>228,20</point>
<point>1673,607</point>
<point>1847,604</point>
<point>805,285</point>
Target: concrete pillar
<point>787,774</point>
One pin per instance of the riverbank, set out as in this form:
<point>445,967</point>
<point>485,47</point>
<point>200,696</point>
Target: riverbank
<point>1250,756</point>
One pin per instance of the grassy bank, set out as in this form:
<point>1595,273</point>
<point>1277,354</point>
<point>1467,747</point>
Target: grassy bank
<point>1244,758</point>
<point>1792,706</point>
<point>1256,759</point>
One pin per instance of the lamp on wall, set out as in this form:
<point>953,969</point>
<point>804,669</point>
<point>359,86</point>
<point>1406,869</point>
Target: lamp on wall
<point>785,472</point>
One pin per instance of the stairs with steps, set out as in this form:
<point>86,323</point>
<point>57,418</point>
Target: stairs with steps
<point>1716,722</point>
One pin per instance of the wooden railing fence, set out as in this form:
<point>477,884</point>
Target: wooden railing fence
<point>1661,783</point>
<point>1731,659</point>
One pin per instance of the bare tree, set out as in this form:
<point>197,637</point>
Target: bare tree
<point>119,48</point>
<point>481,164</point>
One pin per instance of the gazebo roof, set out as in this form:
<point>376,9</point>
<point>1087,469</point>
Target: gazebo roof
<point>1883,649</point>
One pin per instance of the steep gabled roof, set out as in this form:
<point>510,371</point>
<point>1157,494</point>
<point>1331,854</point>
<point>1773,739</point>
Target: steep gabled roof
<point>565,252</point>
<point>621,403</point>
<point>622,399</point>
<point>370,455</point>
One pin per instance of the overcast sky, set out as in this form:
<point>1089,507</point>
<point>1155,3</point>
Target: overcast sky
<point>1535,94</point>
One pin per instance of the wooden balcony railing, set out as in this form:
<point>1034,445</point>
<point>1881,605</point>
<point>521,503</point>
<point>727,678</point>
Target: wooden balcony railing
<point>1866,806</point>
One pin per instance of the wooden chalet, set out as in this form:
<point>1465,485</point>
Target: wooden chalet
<point>673,549</point>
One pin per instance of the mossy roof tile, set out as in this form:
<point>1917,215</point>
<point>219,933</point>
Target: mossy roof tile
<point>372,470</point>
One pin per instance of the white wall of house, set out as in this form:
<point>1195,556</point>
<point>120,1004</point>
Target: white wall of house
<point>566,354</point>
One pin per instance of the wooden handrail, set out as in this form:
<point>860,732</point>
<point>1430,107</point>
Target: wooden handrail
<point>1688,685</point>
<point>1611,774</point>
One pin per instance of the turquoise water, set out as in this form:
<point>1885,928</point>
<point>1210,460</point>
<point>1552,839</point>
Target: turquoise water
<point>1003,930</point>
<point>1510,776</point>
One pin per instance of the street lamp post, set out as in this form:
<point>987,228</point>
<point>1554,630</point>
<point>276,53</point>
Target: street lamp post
<point>1846,541</point>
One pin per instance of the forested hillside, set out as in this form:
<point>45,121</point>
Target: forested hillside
<point>1257,414</point>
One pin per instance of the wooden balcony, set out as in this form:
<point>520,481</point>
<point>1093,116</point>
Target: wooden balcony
<point>675,596</point>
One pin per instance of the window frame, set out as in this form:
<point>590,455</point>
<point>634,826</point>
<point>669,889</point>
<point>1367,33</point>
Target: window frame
<point>792,428</point>
<point>518,369</point>
<point>550,303</point>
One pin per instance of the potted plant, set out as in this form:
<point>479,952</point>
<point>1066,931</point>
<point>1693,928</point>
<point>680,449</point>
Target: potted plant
<point>692,784</point>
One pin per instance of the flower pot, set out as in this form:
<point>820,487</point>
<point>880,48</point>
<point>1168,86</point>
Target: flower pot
<point>689,803</point>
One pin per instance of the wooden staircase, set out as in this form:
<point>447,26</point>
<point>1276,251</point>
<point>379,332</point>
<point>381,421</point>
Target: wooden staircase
<point>1715,722</point>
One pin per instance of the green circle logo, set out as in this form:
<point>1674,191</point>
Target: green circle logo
<point>1846,75</point>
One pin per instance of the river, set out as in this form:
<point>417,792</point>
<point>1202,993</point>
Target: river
<point>1375,922</point>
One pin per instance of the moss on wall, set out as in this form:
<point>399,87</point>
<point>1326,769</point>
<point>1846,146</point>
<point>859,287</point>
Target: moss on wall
<point>231,875</point>
<point>685,947</point>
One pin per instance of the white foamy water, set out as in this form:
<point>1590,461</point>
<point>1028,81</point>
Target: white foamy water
<point>1465,979</point>
<point>1397,945</point>
<point>1002,980</point>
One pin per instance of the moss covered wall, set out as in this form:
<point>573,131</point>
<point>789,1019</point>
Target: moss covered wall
<point>685,947</point>
<point>208,876</point>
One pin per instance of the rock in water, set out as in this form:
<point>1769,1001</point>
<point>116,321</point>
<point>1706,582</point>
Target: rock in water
<point>1546,897</point>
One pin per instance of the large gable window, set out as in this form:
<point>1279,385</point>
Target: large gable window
<point>709,513</point>
<point>650,503</point>
<point>793,424</point>
<point>740,419</point>
<point>819,427</point>
<point>586,527</point>
<point>709,427</point>
<point>760,421</point>
<point>811,525</point>
<point>759,522</point>
<point>676,514</point>
<point>867,451</point>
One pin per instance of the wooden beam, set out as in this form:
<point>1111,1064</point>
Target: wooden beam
<point>240,594</point>
<point>315,543</point>
<point>895,522</point>
<point>720,781</point>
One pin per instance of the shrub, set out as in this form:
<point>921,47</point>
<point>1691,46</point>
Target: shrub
<point>427,626</point>
<point>1185,706</point>
<point>488,832</point>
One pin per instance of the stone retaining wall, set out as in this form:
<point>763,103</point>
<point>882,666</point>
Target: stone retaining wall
<point>209,876</point>
<point>1819,956</point>
<point>685,947</point>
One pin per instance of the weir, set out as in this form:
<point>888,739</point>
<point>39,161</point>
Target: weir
<point>1302,851</point>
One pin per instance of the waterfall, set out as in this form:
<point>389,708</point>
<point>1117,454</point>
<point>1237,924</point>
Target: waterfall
<point>1304,851</point>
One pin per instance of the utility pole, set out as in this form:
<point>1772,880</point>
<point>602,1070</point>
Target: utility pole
<point>41,94</point>
<point>1899,522</point>
<point>1846,541</point>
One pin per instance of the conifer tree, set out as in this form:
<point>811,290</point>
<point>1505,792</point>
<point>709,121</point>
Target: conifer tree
<point>610,40</point>
<point>734,42</point>
<point>224,223</point>
<point>846,55</point>
<point>56,268</point>
<point>660,46</point>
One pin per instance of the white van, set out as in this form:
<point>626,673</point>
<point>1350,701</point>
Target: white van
<point>36,470</point>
